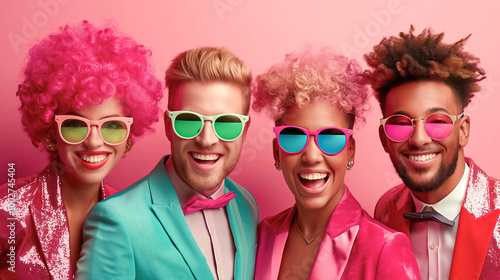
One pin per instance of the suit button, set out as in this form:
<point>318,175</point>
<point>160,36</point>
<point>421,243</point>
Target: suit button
<point>433,246</point>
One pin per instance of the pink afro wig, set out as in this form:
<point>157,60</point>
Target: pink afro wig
<point>81,66</point>
<point>308,76</point>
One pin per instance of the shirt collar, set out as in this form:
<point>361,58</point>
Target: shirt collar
<point>183,190</point>
<point>451,204</point>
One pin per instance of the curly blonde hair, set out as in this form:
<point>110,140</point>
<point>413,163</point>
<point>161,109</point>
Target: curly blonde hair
<point>308,76</point>
<point>397,60</point>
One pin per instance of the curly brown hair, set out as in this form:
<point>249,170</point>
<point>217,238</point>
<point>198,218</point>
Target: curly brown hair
<point>397,60</point>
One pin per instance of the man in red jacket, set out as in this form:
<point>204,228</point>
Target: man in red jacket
<point>447,205</point>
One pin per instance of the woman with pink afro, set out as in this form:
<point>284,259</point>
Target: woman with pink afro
<point>87,94</point>
<point>315,99</point>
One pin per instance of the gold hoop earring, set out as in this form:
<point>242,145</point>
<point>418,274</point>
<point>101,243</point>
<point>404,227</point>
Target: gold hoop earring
<point>129,146</point>
<point>277,165</point>
<point>49,143</point>
<point>350,165</point>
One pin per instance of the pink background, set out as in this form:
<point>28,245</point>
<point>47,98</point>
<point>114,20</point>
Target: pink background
<point>260,32</point>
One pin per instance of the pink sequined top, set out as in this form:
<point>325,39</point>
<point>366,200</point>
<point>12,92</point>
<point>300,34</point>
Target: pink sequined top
<point>34,235</point>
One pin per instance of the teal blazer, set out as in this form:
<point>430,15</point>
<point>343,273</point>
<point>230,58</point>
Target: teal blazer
<point>141,233</point>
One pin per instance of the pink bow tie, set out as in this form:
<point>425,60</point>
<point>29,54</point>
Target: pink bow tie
<point>197,203</point>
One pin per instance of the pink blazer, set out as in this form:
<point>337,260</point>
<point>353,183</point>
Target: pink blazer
<point>40,230</point>
<point>477,245</point>
<point>355,246</point>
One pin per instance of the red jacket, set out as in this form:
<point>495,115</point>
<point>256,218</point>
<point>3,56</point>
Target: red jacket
<point>477,245</point>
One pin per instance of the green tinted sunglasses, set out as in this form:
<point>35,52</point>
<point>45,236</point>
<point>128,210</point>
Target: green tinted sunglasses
<point>75,129</point>
<point>227,127</point>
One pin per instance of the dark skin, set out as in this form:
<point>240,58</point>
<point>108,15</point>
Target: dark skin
<point>317,197</point>
<point>419,100</point>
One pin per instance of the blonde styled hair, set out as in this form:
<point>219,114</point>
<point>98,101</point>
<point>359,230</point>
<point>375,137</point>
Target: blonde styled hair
<point>208,64</point>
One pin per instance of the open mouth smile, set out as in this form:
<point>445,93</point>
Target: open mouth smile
<point>205,159</point>
<point>422,158</point>
<point>313,181</point>
<point>93,160</point>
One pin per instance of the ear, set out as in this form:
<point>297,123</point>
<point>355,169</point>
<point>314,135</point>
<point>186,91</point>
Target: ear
<point>351,148</point>
<point>168,126</point>
<point>464,131</point>
<point>129,145</point>
<point>50,141</point>
<point>383,138</point>
<point>276,150</point>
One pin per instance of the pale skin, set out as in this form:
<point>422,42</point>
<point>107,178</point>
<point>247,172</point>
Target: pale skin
<point>206,98</point>
<point>315,199</point>
<point>80,186</point>
<point>78,199</point>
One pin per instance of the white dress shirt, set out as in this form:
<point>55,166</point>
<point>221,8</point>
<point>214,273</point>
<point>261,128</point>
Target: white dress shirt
<point>433,242</point>
<point>210,227</point>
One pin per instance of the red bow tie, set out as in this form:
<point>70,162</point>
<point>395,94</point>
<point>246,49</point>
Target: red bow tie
<point>197,203</point>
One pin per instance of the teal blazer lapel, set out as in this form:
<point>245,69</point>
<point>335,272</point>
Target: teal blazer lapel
<point>244,233</point>
<point>237,229</point>
<point>166,207</point>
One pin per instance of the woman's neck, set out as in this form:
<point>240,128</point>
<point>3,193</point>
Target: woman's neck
<point>77,194</point>
<point>313,221</point>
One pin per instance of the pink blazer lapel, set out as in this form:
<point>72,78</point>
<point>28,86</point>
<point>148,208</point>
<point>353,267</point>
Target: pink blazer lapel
<point>272,241</point>
<point>333,254</point>
<point>336,246</point>
<point>471,245</point>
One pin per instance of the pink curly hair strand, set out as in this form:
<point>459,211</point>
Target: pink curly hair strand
<point>308,76</point>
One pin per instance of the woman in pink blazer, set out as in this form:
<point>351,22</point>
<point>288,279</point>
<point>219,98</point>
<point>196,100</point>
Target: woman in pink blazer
<point>87,94</point>
<point>315,99</point>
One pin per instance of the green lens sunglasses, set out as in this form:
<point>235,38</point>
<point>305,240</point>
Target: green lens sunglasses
<point>187,124</point>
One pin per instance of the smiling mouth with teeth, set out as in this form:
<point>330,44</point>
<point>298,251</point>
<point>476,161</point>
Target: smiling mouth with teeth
<point>205,157</point>
<point>93,158</point>
<point>313,180</point>
<point>313,176</point>
<point>422,157</point>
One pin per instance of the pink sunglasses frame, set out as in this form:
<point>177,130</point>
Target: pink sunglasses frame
<point>61,118</point>
<point>347,132</point>
<point>453,118</point>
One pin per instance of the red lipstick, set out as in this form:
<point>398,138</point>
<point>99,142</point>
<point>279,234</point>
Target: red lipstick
<point>92,165</point>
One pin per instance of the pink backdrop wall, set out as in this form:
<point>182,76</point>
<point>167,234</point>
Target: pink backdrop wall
<point>260,32</point>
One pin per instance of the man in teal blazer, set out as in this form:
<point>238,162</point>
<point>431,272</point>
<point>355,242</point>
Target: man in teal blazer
<point>186,219</point>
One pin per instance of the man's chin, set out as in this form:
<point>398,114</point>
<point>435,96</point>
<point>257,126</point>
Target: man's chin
<point>205,183</point>
<point>434,182</point>
<point>421,187</point>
